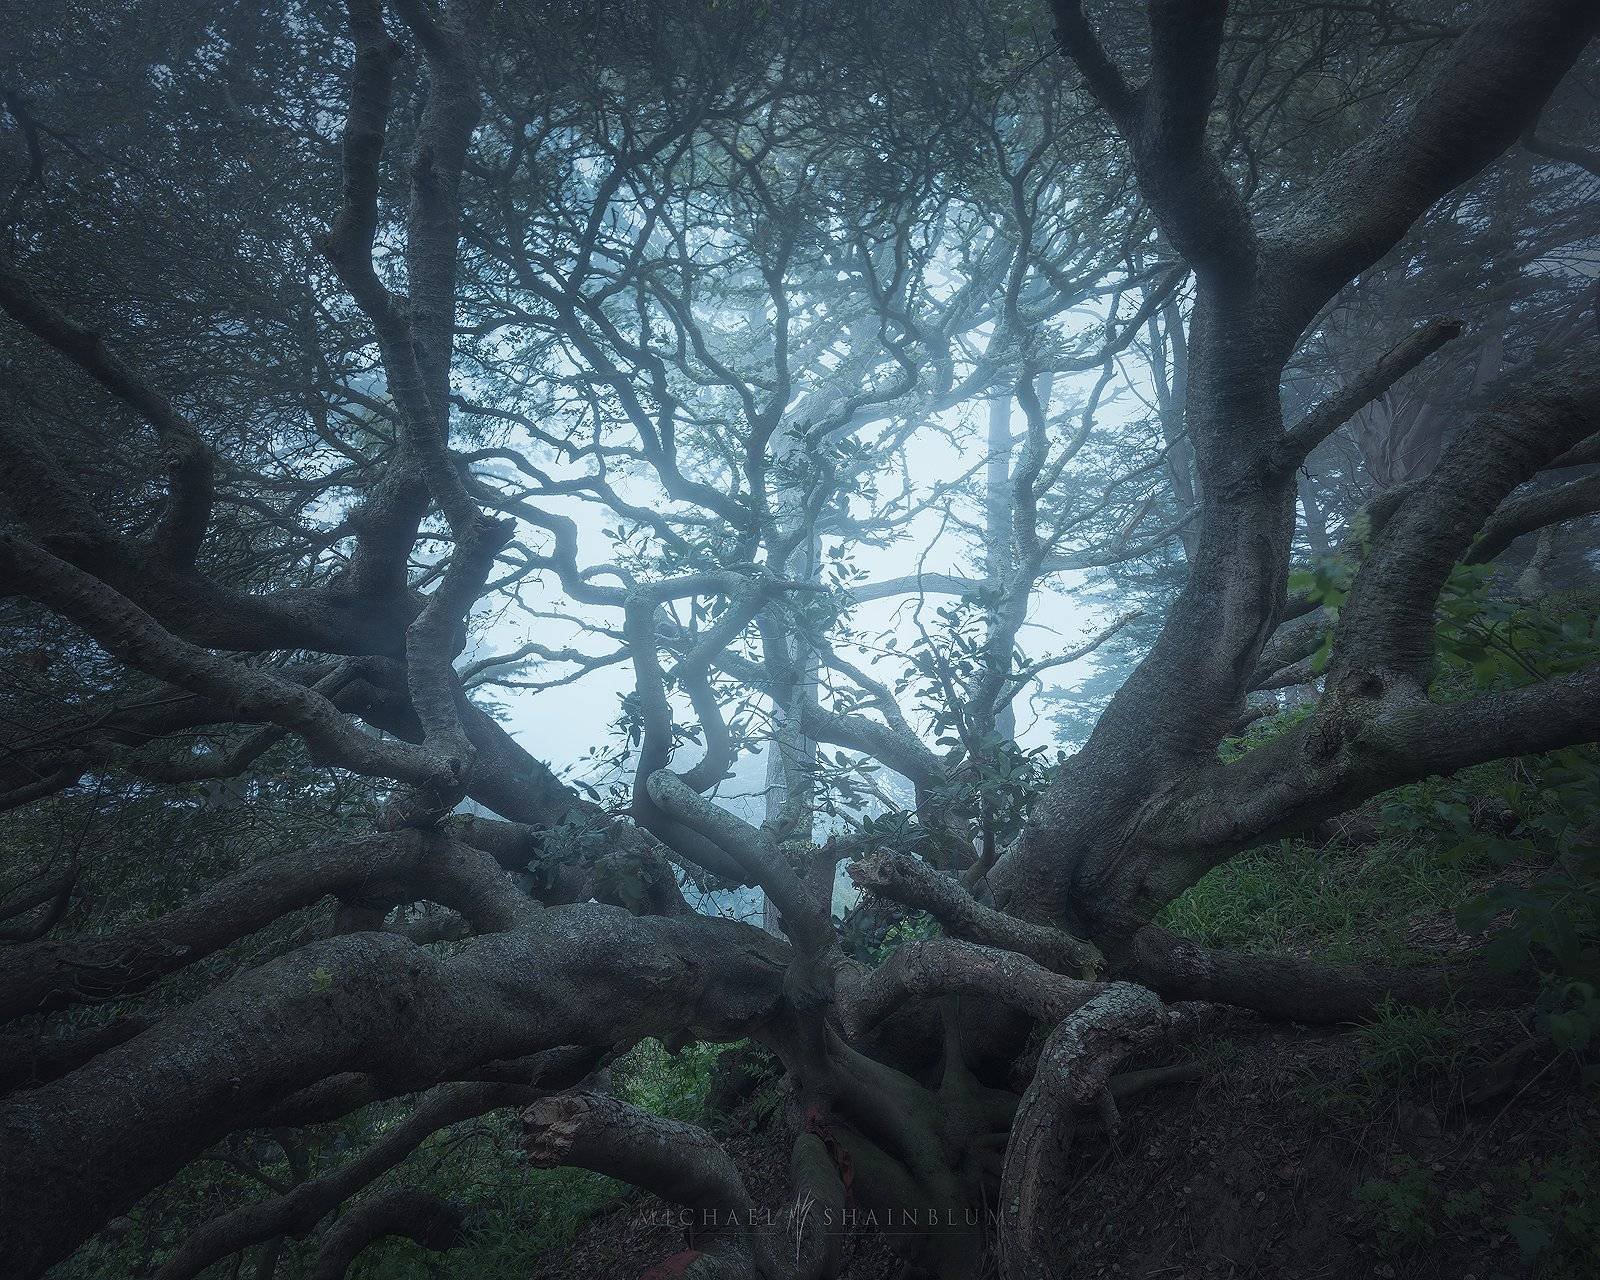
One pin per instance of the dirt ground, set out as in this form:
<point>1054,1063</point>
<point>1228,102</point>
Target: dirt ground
<point>1289,1161</point>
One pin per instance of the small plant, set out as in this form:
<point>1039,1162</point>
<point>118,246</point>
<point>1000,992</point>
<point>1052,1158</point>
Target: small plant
<point>1556,1219</point>
<point>1549,921</point>
<point>1410,1049</point>
<point>1402,1203</point>
<point>913,928</point>
<point>1410,1209</point>
<point>1262,731</point>
<point>669,1084</point>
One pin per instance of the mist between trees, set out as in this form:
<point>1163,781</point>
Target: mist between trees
<point>534,533</point>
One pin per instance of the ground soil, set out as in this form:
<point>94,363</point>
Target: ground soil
<point>1258,1171</point>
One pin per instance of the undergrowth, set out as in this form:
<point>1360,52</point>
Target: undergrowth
<point>517,1212</point>
<point>1501,861</point>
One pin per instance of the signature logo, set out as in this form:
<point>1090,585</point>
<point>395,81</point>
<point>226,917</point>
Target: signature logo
<point>804,1203</point>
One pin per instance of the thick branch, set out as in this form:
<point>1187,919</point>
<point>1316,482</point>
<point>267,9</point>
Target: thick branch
<point>1587,158</point>
<point>805,919</point>
<point>408,865</point>
<point>369,1005</point>
<point>126,631</point>
<point>188,457</point>
<point>912,882</point>
<point>1277,984</point>
<point>29,1058</point>
<point>926,970</point>
<point>297,1211</point>
<point>419,1216</point>
<point>1366,387</point>
<point>681,1163</point>
<point>1164,123</point>
<point>1074,1071</point>
<point>1386,625</point>
<point>1489,89</point>
<point>1534,511</point>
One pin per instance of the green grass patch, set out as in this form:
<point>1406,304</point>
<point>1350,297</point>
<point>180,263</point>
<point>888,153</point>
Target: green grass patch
<point>1348,905</point>
<point>1420,1052</point>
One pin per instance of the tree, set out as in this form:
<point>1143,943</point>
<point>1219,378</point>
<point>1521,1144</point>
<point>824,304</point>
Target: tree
<point>715,279</point>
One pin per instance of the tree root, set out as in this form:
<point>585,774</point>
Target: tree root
<point>404,1211</point>
<point>680,1163</point>
<point>913,883</point>
<point>1294,989</point>
<point>943,966</point>
<point>1074,1083</point>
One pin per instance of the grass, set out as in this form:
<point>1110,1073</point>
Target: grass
<point>1400,1044</point>
<point>1419,1053</point>
<point>1375,903</point>
<point>1348,904</point>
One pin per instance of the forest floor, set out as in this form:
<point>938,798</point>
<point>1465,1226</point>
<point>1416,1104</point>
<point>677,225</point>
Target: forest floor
<point>1451,1144</point>
<point>1296,1160</point>
<point>1304,1155</point>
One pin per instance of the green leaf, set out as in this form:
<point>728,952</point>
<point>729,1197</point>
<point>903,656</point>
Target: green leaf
<point>1531,1235</point>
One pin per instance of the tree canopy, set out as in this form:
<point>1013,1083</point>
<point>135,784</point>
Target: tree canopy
<point>956,424</point>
